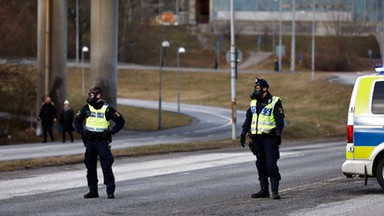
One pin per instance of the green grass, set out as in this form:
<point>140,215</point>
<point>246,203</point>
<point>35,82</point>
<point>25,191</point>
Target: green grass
<point>314,109</point>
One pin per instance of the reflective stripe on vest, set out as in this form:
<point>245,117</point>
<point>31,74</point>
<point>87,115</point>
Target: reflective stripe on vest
<point>265,121</point>
<point>96,121</point>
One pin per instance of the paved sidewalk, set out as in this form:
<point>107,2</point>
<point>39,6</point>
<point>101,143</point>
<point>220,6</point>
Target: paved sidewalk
<point>254,59</point>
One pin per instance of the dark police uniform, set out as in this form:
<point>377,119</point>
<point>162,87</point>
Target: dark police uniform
<point>97,138</point>
<point>265,122</point>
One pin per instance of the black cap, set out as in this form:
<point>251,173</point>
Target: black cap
<point>261,82</point>
<point>96,90</point>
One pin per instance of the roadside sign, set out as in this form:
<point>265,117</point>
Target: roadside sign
<point>239,56</point>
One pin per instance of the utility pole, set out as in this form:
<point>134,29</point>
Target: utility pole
<point>280,36</point>
<point>233,72</point>
<point>293,42</point>
<point>313,39</point>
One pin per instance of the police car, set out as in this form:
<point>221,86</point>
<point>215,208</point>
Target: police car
<point>365,129</point>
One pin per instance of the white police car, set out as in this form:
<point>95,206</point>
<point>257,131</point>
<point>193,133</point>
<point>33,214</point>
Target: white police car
<point>365,129</point>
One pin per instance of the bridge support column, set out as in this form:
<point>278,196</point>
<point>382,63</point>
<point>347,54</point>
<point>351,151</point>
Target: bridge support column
<point>52,51</point>
<point>104,46</point>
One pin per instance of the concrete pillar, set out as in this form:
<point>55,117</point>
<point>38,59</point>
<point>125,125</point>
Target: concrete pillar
<point>103,49</point>
<point>183,5</point>
<point>41,28</point>
<point>52,51</point>
<point>58,55</point>
<point>192,12</point>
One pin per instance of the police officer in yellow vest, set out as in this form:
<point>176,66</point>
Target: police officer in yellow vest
<point>93,123</point>
<point>264,124</point>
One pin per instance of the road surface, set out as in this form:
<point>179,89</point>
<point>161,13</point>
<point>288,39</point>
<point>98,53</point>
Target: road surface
<point>216,182</point>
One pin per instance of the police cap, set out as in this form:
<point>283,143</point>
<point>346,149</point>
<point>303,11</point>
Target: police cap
<point>261,82</point>
<point>96,90</point>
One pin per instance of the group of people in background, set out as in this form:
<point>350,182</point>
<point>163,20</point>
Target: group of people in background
<point>48,117</point>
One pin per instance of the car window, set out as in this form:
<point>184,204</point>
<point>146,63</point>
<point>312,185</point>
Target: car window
<point>378,98</point>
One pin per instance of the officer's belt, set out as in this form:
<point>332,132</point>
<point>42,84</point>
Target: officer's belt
<point>96,136</point>
<point>260,135</point>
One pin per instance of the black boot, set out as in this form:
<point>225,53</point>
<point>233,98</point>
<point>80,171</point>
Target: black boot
<point>263,193</point>
<point>91,194</point>
<point>275,187</point>
<point>275,195</point>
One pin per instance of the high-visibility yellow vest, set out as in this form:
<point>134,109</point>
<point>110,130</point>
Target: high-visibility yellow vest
<point>265,121</point>
<point>96,121</point>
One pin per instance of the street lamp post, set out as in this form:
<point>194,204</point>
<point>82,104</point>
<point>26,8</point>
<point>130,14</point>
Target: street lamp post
<point>180,50</point>
<point>164,44</point>
<point>84,49</point>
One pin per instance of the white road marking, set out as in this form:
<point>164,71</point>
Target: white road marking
<point>72,179</point>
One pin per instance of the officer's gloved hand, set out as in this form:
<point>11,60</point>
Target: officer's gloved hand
<point>276,141</point>
<point>242,139</point>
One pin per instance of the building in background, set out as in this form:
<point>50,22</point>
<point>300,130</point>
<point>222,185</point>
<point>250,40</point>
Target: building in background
<point>257,16</point>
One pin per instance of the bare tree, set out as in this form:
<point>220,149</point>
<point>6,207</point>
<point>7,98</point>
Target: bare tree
<point>17,88</point>
<point>18,28</point>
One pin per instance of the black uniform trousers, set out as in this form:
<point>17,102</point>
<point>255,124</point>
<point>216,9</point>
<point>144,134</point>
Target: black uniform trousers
<point>101,149</point>
<point>266,161</point>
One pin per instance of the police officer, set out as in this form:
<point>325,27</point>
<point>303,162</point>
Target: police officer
<point>264,123</point>
<point>93,123</point>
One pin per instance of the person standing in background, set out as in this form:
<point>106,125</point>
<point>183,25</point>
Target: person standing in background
<point>47,116</point>
<point>66,121</point>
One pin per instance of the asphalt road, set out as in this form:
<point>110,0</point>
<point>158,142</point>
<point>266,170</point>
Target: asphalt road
<point>347,78</point>
<point>216,182</point>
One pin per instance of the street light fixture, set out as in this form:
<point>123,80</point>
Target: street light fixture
<point>164,44</point>
<point>180,50</point>
<point>84,50</point>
